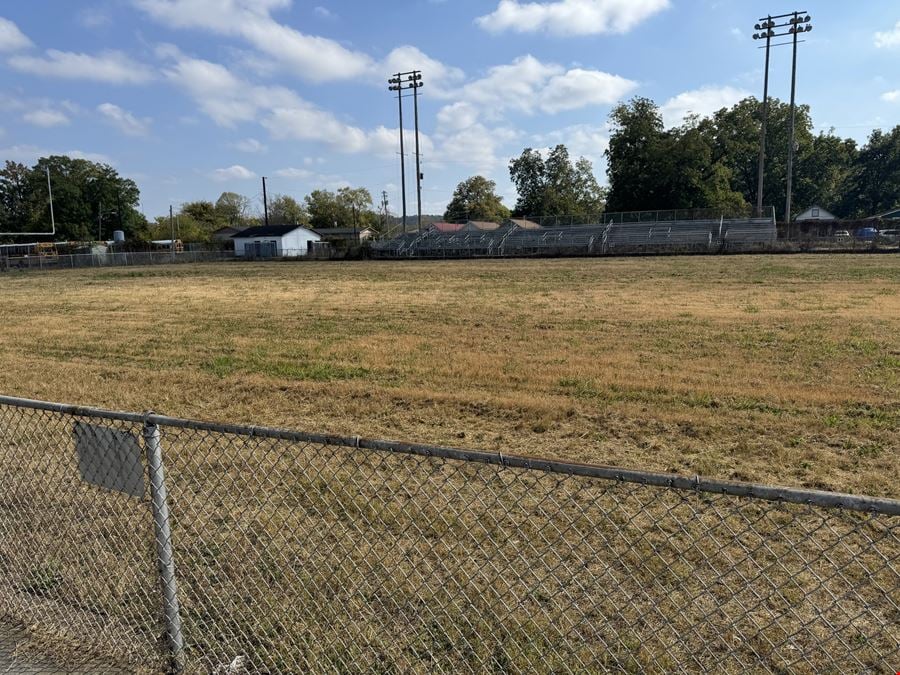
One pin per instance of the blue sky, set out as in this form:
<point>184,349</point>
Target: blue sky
<point>194,97</point>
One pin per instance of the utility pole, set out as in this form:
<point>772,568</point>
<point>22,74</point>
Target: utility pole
<point>415,80</point>
<point>384,211</point>
<point>172,226</point>
<point>398,87</point>
<point>100,220</point>
<point>265,202</point>
<point>767,25</point>
<point>798,22</point>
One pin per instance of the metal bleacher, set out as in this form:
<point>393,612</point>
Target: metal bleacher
<point>610,238</point>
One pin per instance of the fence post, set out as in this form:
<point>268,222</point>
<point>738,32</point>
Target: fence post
<point>164,555</point>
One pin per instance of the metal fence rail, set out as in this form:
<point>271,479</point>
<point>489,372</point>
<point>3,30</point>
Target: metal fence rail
<point>291,552</point>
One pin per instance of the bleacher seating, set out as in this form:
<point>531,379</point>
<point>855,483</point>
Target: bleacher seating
<point>509,239</point>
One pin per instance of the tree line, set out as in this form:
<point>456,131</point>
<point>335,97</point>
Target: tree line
<point>91,200</point>
<point>705,162</point>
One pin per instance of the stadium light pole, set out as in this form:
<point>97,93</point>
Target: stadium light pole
<point>415,83</point>
<point>797,22</point>
<point>765,25</point>
<point>400,82</point>
<point>395,84</point>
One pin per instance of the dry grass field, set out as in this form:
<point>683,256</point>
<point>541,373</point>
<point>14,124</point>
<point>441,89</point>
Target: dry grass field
<point>781,369</point>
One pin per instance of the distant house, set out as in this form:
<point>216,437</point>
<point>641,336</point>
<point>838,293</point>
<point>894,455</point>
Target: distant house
<point>274,241</point>
<point>816,213</point>
<point>349,235</point>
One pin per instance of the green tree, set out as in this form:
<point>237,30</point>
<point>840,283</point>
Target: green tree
<point>234,209</point>
<point>527,173</point>
<point>636,158</point>
<point>89,199</point>
<point>476,199</point>
<point>872,184</point>
<point>285,210</point>
<point>555,186</point>
<point>323,209</point>
<point>355,206</point>
<point>14,197</point>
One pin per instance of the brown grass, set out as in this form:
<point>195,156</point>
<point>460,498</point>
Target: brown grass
<point>781,369</point>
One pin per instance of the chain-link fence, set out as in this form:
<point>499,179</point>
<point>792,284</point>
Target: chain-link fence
<point>267,551</point>
<point>110,259</point>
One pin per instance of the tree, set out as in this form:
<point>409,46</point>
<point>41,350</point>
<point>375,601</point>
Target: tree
<point>14,196</point>
<point>350,207</point>
<point>89,199</point>
<point>233,209</point>
<point>872,184</point>
<point>555,186</point>
<point>636,157</point>
<point>204,214</point>
<point>527,174</point>
<point>285,210</point>
<point>476,199</point>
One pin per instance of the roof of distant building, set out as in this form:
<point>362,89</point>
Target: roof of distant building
<point>268,231</point>
<point>341,231</point>
<point>448,227</point>
<point>484,225</point>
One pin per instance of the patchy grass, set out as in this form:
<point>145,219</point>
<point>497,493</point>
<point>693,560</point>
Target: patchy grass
<point>780,369</point>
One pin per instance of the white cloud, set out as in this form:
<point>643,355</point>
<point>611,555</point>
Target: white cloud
<point>315,58</point>
<point>582,140</point>
<point>891,96</point>
<point>250,145</point>
<point>529,85</point>
<point>111,67</point>
<point>235,172</point>
<point>123,120</point>
<point>228,99</point>
<point>94,17</point>
<point>437,76</point>
<point>324,12</point>
<point>11,38</point>
<point>578,88</point>
<point>46,117</point>
<point>889,38</point>
<point>293,172</point>
<point>570,17</point>
<point>703,102</point>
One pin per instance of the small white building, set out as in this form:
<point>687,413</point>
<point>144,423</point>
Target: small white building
<point>816,213</point>
<point>274,241</point>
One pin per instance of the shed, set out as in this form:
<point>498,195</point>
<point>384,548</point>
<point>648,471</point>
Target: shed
<point>816,213</point>
<point>274,241</point>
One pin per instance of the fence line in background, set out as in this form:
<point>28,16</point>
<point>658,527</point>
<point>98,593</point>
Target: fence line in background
<point>291,551</point>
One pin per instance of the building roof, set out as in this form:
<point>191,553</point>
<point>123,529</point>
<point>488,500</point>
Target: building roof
<point>816,212</point>
<point>448,227</point>
<point>341,231</point>
<point>268,231</point>
<point>227,228</point>
<point>483,225</point>
<point>893,213</point>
